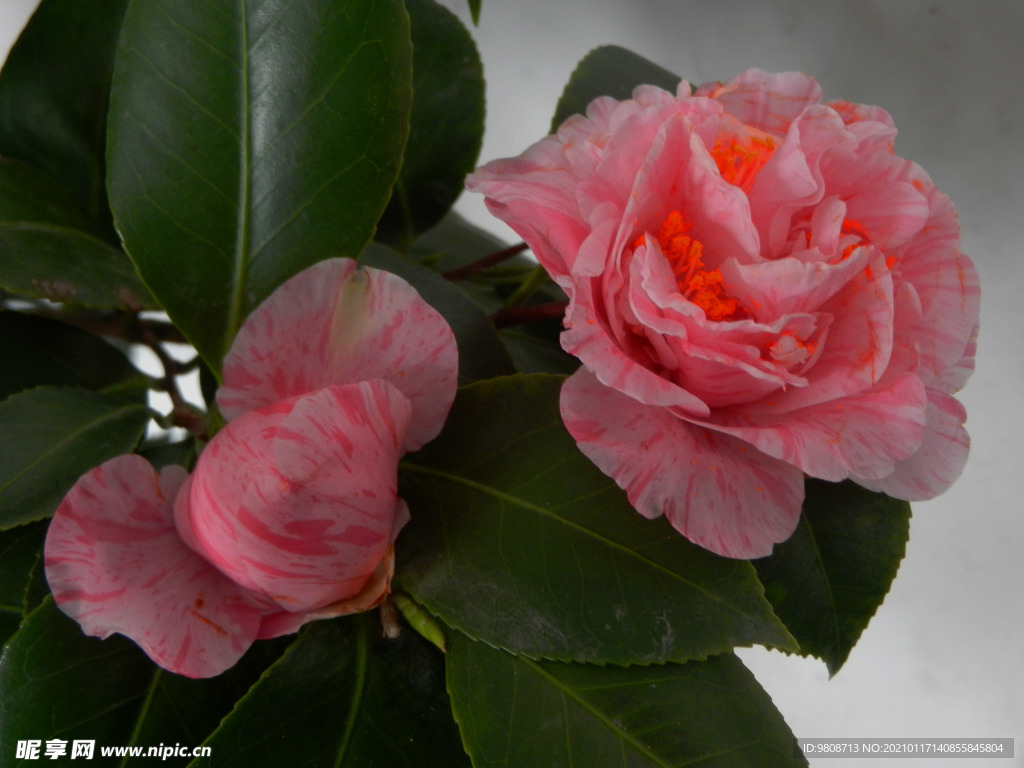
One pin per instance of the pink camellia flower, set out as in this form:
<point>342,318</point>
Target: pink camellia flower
<point>760,289</point>
<point>292,511</point>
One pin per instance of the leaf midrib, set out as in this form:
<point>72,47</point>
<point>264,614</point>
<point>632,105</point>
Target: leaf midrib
<point>236,308</point>
<point>537,509</point>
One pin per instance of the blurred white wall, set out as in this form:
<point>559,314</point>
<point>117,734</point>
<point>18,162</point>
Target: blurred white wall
<point>944,657</point>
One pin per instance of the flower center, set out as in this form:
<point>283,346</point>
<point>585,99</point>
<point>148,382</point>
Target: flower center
<point>739,162</point>
<point>700,286</point>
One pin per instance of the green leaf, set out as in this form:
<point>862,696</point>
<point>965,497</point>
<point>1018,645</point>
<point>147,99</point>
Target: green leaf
<point>19,550</point>
<point>247,141</point>
<point>344,696</point>
<point>50,249</point>
<point>519,541</point>
<point>828,579</point>
<point>54,91</point>
<point>455,242</point>
<point>535,348</point>
<point>56,683</point>
<point>481,353</point>
<point>608,71</point>
<point>517,712</point>
<point>39,351</point>
<point>446,125</point>
<point>49,437</point>
<point>474,9</point>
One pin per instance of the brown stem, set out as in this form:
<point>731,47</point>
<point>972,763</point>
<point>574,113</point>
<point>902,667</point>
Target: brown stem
<point>468,270</point>
<point>505,318</point>
<point>183,413</point>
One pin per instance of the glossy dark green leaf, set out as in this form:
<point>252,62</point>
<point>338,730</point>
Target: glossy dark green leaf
<point>39,351</point>
<point>342,695</point>
<point>19,550</point>
<point>49,437</point>
<point>50,249</point>
<point>517,712</point>
<point>54,91</point>
<point>534,348</point>
<point>249,139</point>
<point>608,71</point>
<point>481,352</point>
<point>446,125</point>
<point>518,540</point>
<point>454,243</point>
<point>828,579</point>
<point>178,710</point>
<point>56,683</point>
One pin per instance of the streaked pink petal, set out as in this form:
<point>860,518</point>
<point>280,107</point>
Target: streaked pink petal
<point>373,592</point>
<point>863,435</point>
<point>298,501</point>
<point>588,338</point>
<point>716,491</point>
<point>336,324</point>
<point>115,563</point>
<point>938,462</point>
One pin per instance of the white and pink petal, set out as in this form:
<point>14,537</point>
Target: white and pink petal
<point>718,492</point>
<point>298,501</point>
<point>335,323</point>
<point>116,564</point>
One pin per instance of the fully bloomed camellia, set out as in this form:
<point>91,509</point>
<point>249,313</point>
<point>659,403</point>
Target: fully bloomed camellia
<point>292,511</point>
<point>760,289</point>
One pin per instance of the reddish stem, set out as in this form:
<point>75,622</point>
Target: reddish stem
<point>505,318</point>
<point>468,270</point>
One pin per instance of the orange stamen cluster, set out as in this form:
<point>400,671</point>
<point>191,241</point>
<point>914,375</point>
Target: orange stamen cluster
<point>739,162</point>
<point>685,255</point>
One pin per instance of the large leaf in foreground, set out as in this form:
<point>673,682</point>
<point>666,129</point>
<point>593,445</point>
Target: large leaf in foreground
<point>249,140</point>
<point>50,436</point>
<point>828,579</point>
<point>344,696</point>
<point>446,126</point>
<point>50,249</point>
<point>56,683</point>
<point>54,90</point>
<point>39,351</point>
<point>517,712</point>
<point>608,71</point>
<point>20,548</point>
<point>518,540</point>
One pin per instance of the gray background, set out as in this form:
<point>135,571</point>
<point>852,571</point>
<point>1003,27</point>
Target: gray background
<point>944,656</point>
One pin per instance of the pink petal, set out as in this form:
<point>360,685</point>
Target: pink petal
<point>767,101</point>
<point>947,287</point>
<point>336,324</point>
<point>589,337</point>
<point>115,563</point>
<point>863,435</point>
<point>716,491</point>
<point>933,468</point>
<point>373,592</point>
<point>298,501</point>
